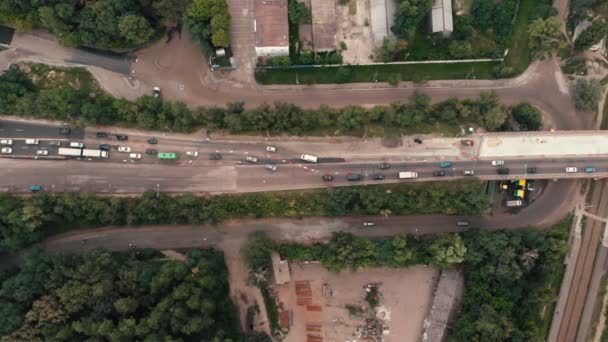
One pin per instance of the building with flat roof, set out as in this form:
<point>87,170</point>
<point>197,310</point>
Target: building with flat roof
<point>271,28</point>
<point>441,17</point>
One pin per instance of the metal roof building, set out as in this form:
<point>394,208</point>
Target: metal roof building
<point>271,28</point>
<point>441,17</point>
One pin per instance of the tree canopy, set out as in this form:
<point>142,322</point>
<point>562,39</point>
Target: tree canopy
<point>119,297</point>
<point>587,94</point>
<point>209,23</point>
<point>545,36</point>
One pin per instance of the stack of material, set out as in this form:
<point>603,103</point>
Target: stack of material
<point>303,293</point>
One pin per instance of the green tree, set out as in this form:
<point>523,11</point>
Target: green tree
<point>171,10</point>
<point>135,29</point>
<point>448,250</point>
<point>298,13</point>
<point>460,49</point>
<point>587,95</point>
<point>545,36</point>
<point>408,16</point>
<point>342,74</point>
<point>528,117</point>
<point>592,35</point>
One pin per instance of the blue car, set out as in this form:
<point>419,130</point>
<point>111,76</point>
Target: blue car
<point>35,188</point>
<point>445,164</point>
<point>589,169</point>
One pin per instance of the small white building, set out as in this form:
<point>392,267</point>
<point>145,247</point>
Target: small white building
<point>271,28</point>
<point>441,17</point>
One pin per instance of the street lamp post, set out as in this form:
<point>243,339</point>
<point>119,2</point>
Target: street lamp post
<point>157,190</point>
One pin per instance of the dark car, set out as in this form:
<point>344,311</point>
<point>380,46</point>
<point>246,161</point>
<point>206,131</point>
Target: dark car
<point>438,173</point>
<point>384,166</point>
<point>105,147</point>
<point>101,135</point>
<point>65,130</point>
<point>418,141</point>
<point>122,137</point>
<point>328,178</point>
<point>152,141</point>
<point>531,170</point>
<point>353,177</point>
<point>215,156</point>
<point>503,171</point>
<point>55,143</point>
<point>151,151</point>
<point>378,176</point>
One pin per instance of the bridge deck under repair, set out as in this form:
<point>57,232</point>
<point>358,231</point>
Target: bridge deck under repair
<point>546,144</point>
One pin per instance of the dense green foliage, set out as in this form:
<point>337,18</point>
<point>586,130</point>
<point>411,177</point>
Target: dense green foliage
<point>592,35</point>
<point>512,282</point>
<point>23,98</point>
<point>209,23</point>
<point>527,117</point>
<point>545,36</point>
<point>24,220</point>
<point>101,23</point>
<point>579,11</point>
<point>409,14</point>
<point>587,94</point>
<point>119,297</point>
<point>496,16</point>
<point>345,250</point>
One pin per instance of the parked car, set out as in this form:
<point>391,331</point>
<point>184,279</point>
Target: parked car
<point>271,167</point>
<point>571,169</point>
<point>368,224</point>
<point>105,147</point>
<point>6,150</point>
<point>272,149</point>
<point>498,162</point>
<point>65,131</point>
<point>445,164</point>
<point>327,178</point>
<point>42,153</point>
<point>468,172</point>
<point>152,141</point>
<point>384,166</point>
<point>122,137</point>
<point>438,173</point>
<point>378,176</point>
<point>125,149</point>
<point>6,142</point>
<point>590,169</point>
<point>101,135</point>
<point>151,151</point>
<point>215,156</point>
<point>192,153</point>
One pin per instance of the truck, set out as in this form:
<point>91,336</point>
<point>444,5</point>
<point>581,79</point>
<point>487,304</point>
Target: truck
<point>94,153</point>
<point>408,175</point>
<point>167,156</point>
<point>514,203</point>
<point>309,158</point>
<point>69,152</point>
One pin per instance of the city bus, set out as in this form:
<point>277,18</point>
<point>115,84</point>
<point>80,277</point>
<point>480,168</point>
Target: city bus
<point>168,156</point>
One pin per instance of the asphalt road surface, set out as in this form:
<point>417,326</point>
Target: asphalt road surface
<point>131,177</point>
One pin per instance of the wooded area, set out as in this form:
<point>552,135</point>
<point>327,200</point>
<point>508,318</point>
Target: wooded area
<point>119,297</point>
<point>25,220</point>
<point>19,96</point>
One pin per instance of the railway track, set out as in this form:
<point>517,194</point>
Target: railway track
<point>579,290</point>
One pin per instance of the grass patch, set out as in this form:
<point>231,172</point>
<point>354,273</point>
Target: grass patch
<point>379,73</point>
<point>519,56</point>
<point>51,77</point>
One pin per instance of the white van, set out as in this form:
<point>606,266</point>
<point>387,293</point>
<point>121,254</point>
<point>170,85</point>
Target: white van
<point>514,203</point>
<point>408,174</point>
<point>31,141</point>
<point>135,155</point>
<point>76,144</point>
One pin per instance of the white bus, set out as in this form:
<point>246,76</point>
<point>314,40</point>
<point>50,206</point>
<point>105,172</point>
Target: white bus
<point>70,152</point>
<point>308,158</point>
<point>408,175</point>
<point>94,153</point>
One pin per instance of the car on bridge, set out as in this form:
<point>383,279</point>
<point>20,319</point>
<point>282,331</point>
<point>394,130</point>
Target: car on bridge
<point>368,224</point>
<point>152,141</point>
<point>272,149</point>
<point>503,171</point>
<point>42,153</point>
<point>354,177</point>
<point>6,142</point>
<point>122,137</point>
<point>468,172</point>
<point>327,178</point>
<point>445,164</point>
<point>571,169</point>
<point>531,170</point>
<point>125,149</point>
<point>498,162</point>
<point>151,151</point>
<point>384,166</point>
<point>271,167</point>
<point>55,143</point>
<point>215,156</point>
<point>192,153</point>
<point>105,147</point>
<point>35,188</point>
<point>378,176</point>
<point>6,150</point>
<point>65,131</point>
<point>589,169</point>
<point>438,173</point>
<point>101,135</point>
